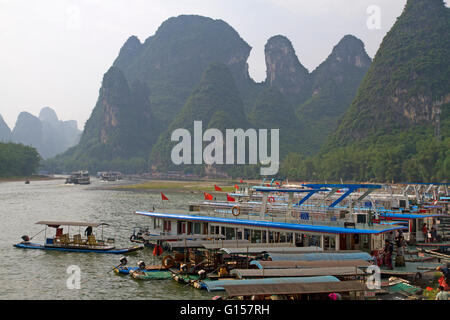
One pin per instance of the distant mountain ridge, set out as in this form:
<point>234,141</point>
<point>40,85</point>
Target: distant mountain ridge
<point>195,68</point>
<point>5,131</point>
<point>49,135</point>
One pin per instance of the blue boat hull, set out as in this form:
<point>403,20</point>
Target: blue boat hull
<point>111,251</point>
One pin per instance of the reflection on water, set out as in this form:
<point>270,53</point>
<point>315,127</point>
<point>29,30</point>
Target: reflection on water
<point>38,274</point>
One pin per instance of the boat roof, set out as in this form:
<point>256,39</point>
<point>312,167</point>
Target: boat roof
<point>270,189</point>
<point>297,272</point>
<point>293,288</point>
<point>72,223</point>
<point>289,264</point>
<point>376,229</point>
<point>211,244</point>
<point>316,256</point>
<point>218,285</point>
<point>256,250</point>
<point>408,216</point>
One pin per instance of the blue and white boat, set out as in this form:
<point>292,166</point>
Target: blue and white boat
<point>63,241</point>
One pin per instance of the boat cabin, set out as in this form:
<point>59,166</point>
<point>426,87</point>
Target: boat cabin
<point>348,236</point>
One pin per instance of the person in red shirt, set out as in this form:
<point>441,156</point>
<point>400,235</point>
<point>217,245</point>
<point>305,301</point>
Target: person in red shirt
<point>425,232</point>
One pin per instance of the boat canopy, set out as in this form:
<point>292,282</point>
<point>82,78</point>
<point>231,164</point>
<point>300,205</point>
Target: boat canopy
<point>218,285</point>
<point>293,288</point>
<point>408,216</point>
<point>297,272</point>
<point>56,224</point>
<point>256,250</point>
<point>292,227</point>
<point>269,189</point>
<point>289,264</point>
<point>343,255</point>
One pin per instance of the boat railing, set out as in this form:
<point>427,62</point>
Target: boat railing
<point>323,218</point>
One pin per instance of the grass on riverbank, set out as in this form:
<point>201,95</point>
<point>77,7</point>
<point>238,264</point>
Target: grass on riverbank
<point>206,186</point>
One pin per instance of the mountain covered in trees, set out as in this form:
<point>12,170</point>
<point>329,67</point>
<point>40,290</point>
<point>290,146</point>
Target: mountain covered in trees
<point>398,126</point>
<point>46,133</point>
<point>345,119</point>
<point>195,68</point>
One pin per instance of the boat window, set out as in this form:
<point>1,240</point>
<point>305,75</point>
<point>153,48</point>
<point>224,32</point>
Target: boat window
<point>167,225</point>
<point>239,234</point>
<point>247,234</point>
<point>197,228</point>
<point>257,236</point>
<point>156,223</point>
<point>230,233</point>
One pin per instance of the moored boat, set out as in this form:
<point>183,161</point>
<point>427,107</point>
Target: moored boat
<point>64,242</point>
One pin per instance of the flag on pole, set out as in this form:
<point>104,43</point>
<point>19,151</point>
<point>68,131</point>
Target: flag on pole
<point>241,181</point>
<point>163,197</point>
<point>208,196</point>
<point>236,186</point>
<point>229,198</point>
<point>217,188</point>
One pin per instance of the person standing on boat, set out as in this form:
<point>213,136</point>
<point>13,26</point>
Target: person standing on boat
<point>442,294</point>
<point>88,231</point>
<point>433,234</point>
<point>400,243</point>
<point>388,250</point>
<point>425,232</point>
<point>444,281</point>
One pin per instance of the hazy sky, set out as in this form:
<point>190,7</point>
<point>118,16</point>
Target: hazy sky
<point>54,52</point>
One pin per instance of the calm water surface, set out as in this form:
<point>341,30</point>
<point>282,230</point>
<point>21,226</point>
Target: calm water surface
<point>39,274</point>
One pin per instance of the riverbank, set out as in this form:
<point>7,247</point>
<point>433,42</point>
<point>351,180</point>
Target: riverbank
<point>180,186</point>
<point>29,178</point>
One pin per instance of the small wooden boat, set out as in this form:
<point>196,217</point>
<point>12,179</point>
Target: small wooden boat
<point>63,242</point>
<point>151,274</point>
<point>123,269</point>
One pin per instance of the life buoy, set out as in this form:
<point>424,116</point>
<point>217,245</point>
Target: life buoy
<point>168,262</point>
<point>236,211</point>
<point>271,199</point>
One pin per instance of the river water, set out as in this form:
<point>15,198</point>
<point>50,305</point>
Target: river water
<point>40,274</point>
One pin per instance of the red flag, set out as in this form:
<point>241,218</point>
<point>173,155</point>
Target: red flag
<point>236,186</point>
<point>230,198</point>
<point>217,188</point>
<point>267,185</point>
<point>241,181</point>
<point>208,196</point>
<point>277,183</point>
<point>163,197</point>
